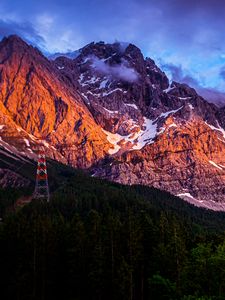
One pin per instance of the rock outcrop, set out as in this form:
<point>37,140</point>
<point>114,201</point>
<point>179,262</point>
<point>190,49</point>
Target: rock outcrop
<point>37,106</point>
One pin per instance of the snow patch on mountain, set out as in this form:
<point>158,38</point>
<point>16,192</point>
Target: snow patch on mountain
<point>172,125</point>
<point>169,89</point>
<point>103,83</point>
<point>12,149</point>
<point>210,204</point>
<point>27,142</point>
<point>219,128</point>
<point>131,105</point>
<point>91,80</point>
<point>184,98</point>
<point>138,139</point>
<point>166,114</point>
<point>185,195</point>
<point>114,139</point>
<point>86,98</point>
<point>147,135</point>
<point>112,91</point>
<point>215,165</point>
<point>111,111</point>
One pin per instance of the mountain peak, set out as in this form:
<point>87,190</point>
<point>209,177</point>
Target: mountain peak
<point>14,39</point>
<point>14,46</point>
<point>111,102</point>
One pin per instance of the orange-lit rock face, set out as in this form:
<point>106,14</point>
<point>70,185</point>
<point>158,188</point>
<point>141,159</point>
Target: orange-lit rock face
<point>185,159</point>
<point>35,98</point>
<point>114,111</point>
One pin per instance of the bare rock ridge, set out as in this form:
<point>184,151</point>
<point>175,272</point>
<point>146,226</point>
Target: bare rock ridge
<point>36,104</point>
<point>111,110</point>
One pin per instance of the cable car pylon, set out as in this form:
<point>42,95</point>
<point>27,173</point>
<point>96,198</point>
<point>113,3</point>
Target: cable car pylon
<point>41,191</point>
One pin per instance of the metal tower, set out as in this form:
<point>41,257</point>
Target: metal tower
<point>41,187</point>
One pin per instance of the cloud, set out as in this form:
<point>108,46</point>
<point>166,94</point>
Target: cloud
<point>222,72</point>
<point>122,45</point>
<point>23,29</point>
<point>190,33</point>
<point>120,71</point>
<point>176,73</point>
<point>212,95</point>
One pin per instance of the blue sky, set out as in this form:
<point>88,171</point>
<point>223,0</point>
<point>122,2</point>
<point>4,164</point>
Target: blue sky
<point>187,38</point>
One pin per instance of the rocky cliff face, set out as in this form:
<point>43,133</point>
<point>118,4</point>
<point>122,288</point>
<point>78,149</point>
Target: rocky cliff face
<point>37,106</point>
<point>111,110</point>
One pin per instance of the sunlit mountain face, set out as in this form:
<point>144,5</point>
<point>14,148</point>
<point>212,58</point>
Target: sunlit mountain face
<point>184,38</point>
<point>114,113</point>
<point>131,92</point>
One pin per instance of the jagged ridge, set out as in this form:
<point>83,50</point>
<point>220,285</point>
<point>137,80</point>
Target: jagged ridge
<point>111,109</point>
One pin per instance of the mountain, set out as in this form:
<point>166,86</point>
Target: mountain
<point>38,106</point>
<point>70,55</point>
<point>113,112</point>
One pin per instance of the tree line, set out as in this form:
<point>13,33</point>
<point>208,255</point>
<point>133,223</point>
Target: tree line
<point>99,240</point>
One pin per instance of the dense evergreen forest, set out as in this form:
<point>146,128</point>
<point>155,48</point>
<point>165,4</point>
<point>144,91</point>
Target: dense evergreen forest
<point>98,240</point>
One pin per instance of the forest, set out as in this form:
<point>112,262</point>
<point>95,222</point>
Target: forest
<point>99,240</point>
